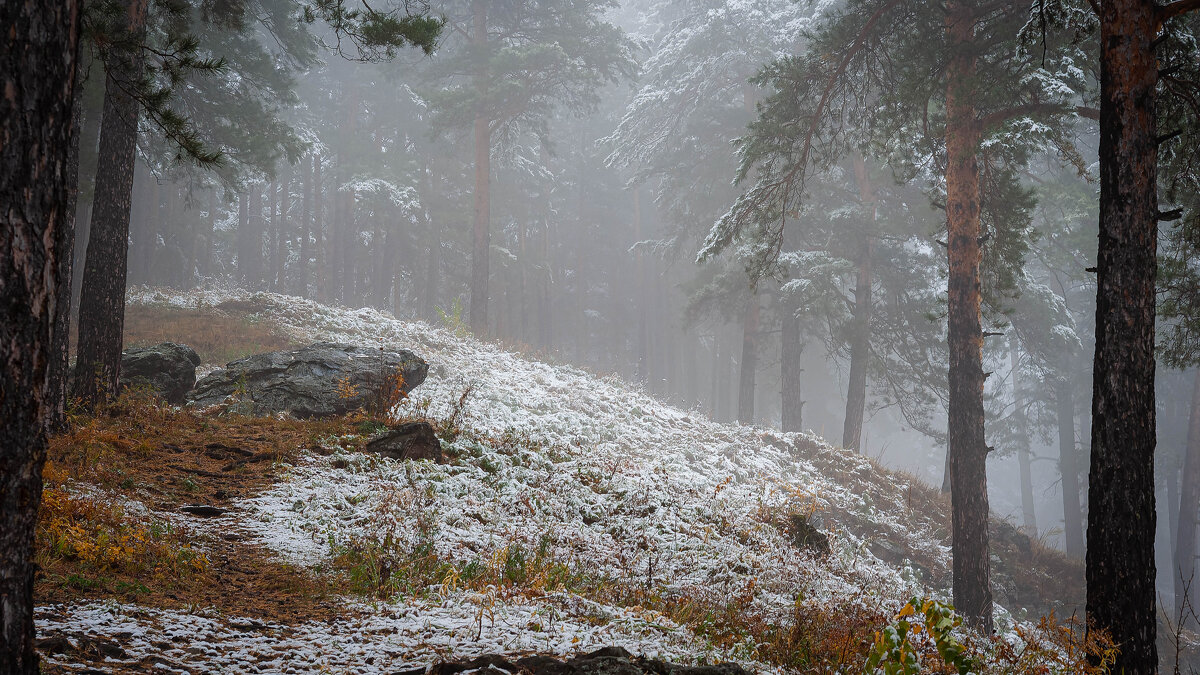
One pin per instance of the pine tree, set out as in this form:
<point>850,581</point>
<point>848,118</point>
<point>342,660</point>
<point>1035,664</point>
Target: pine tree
<point>38,56</point>
<point>512,65</point>
<point>1121,514</point>
<point>859,69</point>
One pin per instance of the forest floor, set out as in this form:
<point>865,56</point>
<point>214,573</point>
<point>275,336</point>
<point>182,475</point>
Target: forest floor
<point>576,512</point>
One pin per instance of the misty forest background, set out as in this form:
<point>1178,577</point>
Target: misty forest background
<point>591,183</point>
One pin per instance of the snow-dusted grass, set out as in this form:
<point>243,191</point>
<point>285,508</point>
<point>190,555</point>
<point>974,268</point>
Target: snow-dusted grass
<point>371,639</point>
<point>596,475</point>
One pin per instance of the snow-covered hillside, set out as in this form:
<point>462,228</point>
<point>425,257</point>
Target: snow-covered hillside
<point>588,472</point>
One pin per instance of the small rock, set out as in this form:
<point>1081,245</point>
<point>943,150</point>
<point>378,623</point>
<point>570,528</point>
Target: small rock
<point>804,535</point>
<point>55,645</point>
<point>203,510</point>
<point>411,440</point>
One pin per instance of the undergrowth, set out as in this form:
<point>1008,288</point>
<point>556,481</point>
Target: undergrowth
<point>98,544</point>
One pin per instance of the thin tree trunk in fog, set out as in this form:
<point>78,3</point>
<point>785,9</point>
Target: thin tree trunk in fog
<point>243,236</point>
<point>254,240</point>
<point>791,349</point>
<point>968,451</point>
<point>523,282</point>
<point>432,266</point>
<point>90,138</point>
<point>38,78</point>
<point>546,308</point>
<point>860,321</point>
<point>725,383</point>
<point>643,321</point>
<point>1121,516</point>
<point>481,240</point>
<point>140,201</point>
<point>860,335</point>
<point>749,365</point>
<point>64,247</point>
<point>317,273</point>
<point>398,305</point>
<point>351,288</point>
<point>1068,467</point>
<point>102,301</point>
<point>715,393</point>
<point>275,240</point>
<point>304,228</point>
<point>1189,504</point>
<point>1028,510</point>
<point>204,265</point>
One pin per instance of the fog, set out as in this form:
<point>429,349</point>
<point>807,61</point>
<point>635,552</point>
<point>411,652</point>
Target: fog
<point>614,186</point>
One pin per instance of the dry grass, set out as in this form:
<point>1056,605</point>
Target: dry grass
<point>90,544</point>
<point>218,334</point>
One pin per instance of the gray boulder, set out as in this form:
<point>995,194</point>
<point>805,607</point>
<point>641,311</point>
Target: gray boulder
<point>167,369</point>
<point>319,380</point>
<point>411,440</point>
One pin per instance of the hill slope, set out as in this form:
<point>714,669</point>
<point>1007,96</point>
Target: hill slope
<point>577,512</point>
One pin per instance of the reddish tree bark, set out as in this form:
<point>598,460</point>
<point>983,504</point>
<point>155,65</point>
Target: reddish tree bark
<point>968,452</point>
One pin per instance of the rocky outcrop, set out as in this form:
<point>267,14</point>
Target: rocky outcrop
<point>411,440</point>
<point>320,380</point>
<point>606,661</point>
<point>168,370</point>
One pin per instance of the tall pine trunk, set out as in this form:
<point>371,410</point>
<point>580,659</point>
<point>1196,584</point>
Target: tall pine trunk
<point>38,53</point>
<point>1189,504</point>
<point>102,300</point>
<point>481,239</point>
<point>968,452</point>
<point>1068,467</point>
<point>1121,517</point>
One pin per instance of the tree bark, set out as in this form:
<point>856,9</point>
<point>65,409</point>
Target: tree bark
<point>1068,467</point>
<point>38,55</point>
<point>968,452</point>
<point>1028,509</point>
<point>1189,504</point>
<point>481,241</point>
<point>749,365</point>
<point>1121,517</point>
<point>102,301</point>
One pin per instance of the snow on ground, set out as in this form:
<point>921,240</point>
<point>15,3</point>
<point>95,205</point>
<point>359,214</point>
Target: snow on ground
<point>591,471</point>
<point>381,639</point>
